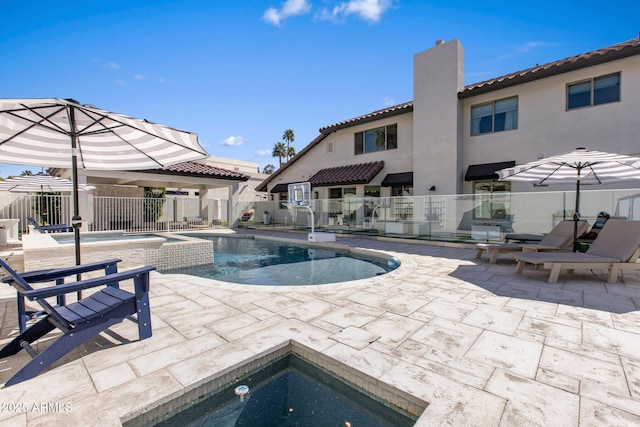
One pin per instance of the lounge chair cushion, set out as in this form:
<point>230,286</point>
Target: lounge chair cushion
<point>555,240</point>
<point>558,238</point>
<point>615,249</point>
<point>537,258</point>
<point>620,241</point>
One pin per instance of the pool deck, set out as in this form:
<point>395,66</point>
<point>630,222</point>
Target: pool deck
<point>483,345</point>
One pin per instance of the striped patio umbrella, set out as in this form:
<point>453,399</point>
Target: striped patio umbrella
<point>62,133</point>
<point>40,183</point>
<point>579,166</point>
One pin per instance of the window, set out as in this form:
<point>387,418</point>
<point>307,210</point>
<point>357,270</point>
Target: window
<point>330,147</point>
<point>402,190</point>
<point>335,193</point>
<point>378,139</point>
<point>283,199</point>
<point>600,90</point>
<point>493,199</point>
<point>371,191</point>
<point>495,116</point>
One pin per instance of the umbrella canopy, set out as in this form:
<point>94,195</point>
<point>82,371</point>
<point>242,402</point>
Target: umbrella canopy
<point>50,132</point>
<point>40,183</point>
<point>579,166</point>
<point>62,133</point>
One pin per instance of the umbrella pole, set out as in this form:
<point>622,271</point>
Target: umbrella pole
<point>576,215</point>
<point>76,220</point>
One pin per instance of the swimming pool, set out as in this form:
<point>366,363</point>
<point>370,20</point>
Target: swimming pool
<point>257,261</point>
<point>290,392</point>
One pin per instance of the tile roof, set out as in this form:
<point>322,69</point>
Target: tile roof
<point>594,57</point>
<point>199,169</point>
<point>376,115</point>
<point>598,56</point>
<point>352,174</point>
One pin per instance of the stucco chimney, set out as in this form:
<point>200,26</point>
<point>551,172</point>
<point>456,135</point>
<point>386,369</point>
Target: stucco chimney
<point>438,76</point>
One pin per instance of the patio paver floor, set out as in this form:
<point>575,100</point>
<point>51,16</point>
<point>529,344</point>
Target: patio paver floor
<point>482,345</point>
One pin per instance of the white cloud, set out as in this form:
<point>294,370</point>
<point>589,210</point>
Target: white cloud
<point>289,8</point>
<point>119,82</point>
<point>138,77</point>
<point>264,153</point>
<point>369,10</point>
<point>161,80</point>
<point>112,65</point>
<point>388,101</point>
<point>235,141</point>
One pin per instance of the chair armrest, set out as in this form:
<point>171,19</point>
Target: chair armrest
<point>110,267</point>
<point>86,284</point>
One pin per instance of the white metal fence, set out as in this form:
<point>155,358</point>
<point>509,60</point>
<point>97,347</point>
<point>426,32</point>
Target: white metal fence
<point>132,214</point>
<point>45,209</point>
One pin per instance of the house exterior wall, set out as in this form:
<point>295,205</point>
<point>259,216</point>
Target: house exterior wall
<point>435,142</point>
<point>396,160</point>
<point>546,127</point>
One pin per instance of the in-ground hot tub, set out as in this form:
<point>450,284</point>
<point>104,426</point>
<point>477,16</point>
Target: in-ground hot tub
<point>58,250</point>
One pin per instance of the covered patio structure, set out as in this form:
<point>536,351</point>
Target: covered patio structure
<point>176,182</point>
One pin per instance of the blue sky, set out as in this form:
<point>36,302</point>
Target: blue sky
<point>238,73</point>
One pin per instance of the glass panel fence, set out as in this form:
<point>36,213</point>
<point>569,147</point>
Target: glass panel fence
<point>462,217</point>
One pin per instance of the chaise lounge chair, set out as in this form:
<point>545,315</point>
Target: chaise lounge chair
<point>558,238</point>
<point>55,228</point>
<point>79,321</point>
<point>616,249</point>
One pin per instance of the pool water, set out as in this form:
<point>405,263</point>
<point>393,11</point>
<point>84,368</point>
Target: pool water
<point>266,262</point>
<point>291,392</point>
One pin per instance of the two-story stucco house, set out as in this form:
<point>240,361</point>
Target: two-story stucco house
<point>452,138</point>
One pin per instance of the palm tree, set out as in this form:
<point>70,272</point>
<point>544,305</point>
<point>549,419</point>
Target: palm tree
<point>289,137</point>
<point>279,151</point>
<point>291,151</point>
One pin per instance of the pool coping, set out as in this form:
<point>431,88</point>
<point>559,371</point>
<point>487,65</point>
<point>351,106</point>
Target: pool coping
<point>220,380</point>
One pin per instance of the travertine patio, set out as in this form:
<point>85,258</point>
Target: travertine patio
<point>482,345</point>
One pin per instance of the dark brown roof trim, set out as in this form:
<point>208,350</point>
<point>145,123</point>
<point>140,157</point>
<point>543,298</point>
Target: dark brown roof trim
<point>407,107</point>
<point>263,185</point>
<point>199,170</point>
<point>589,59</point>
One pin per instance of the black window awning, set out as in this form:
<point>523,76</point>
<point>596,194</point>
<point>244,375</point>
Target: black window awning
<point>280,188</point>
<point>486,170</point>
<point>392,179</point>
